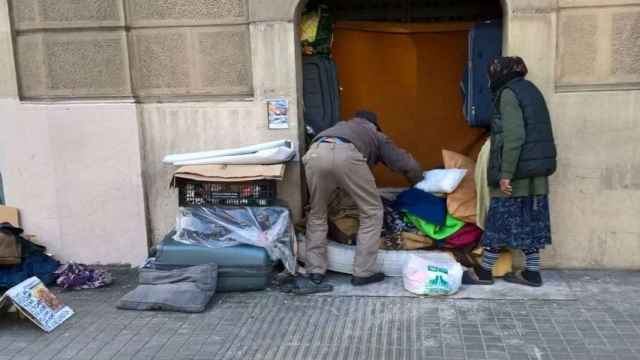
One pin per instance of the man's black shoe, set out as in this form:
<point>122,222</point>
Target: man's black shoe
<point>316,278</point>
<point>360,281</point>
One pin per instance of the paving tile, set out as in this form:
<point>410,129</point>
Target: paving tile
<point>270,325</point>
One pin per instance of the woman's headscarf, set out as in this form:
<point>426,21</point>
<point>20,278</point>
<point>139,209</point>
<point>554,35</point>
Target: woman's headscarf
<point>504,69</point>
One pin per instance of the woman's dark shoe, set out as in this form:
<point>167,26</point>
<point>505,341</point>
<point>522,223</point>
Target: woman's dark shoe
<point>477,277</point>
<point>361,281</point>
<point>528,278</point>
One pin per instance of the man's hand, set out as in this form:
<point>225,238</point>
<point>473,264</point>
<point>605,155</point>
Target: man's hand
<point>505,187</point>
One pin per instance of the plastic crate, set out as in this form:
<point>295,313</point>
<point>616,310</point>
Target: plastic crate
<point>248,193</point>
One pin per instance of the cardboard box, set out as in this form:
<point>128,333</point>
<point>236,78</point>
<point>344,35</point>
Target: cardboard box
<point>10,215</point>
<point>229,173</point>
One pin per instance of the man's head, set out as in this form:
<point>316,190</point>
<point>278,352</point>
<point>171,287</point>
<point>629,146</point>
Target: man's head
<point>369,116</point>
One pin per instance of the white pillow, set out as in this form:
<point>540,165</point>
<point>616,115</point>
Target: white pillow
<point>441,181</point>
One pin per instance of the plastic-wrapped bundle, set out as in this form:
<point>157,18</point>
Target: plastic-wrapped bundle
<point>266,227</point>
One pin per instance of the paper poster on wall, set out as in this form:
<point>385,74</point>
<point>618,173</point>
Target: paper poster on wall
<point>278,110</point>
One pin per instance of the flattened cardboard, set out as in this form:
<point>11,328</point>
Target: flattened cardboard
<point>35,302</point>
<point>229,173</point>
<point>10,215</point>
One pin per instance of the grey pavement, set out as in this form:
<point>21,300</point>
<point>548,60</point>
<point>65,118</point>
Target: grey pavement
<point>601,322</point>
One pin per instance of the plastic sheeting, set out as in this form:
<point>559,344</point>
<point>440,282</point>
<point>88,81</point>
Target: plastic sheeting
<point>224,155</point>
<point>263,157</point>
<point>267,227</point>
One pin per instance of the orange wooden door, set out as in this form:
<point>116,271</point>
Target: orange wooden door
<point>410,75</point>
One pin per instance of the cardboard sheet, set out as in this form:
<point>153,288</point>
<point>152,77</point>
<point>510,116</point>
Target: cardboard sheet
<point>10,215</point>
<point>229,173</point>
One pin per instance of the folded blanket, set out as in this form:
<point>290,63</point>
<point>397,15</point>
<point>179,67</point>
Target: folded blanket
<point>186,289</point>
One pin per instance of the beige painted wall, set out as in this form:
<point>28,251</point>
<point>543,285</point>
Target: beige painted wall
<point>584,55</point>
<point>73,170</point>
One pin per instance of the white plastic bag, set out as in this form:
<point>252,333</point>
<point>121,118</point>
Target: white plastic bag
<point>432,273</point>
<point>441,181</point>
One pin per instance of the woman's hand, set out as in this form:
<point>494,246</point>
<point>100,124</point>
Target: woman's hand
<point>505,187</point>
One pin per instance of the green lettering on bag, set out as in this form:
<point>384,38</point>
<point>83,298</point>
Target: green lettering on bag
<point>438,285</point>
<point>437,269</point>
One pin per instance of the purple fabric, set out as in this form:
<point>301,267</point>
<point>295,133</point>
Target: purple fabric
<point>80,276</point>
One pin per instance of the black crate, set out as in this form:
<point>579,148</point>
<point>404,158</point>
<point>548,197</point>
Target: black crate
<point>248,193</point>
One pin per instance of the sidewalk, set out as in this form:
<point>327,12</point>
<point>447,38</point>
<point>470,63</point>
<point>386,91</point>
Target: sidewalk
<point>602,323</point>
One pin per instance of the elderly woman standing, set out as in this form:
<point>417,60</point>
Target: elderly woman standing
<point>523,156</point>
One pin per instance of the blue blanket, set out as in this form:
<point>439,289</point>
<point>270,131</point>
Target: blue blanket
<point>424,205</point>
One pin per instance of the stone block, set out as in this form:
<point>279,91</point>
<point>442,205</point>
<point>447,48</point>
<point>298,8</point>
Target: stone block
<point>587,3</point>
<point>185,12</point>
<point>520,7</point>
<point>87,64</point>
<point>224,60</point>
<point>578,47</point>
<point>8,83</point>
<point>274,53</point>
<point>192,61</point>
<point>30,65</point>
<point>63,64</point>
<point>274,10</point>
<point>161,61</point>
<point>625,44</point>
<point>24,12</point>
<point>533,37</point>
<point>51,14</point>
<point>599,48</point>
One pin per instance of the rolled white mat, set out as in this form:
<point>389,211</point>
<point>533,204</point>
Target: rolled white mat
<point>174,158</point>
<point>263,157</point>
<point>340,258</point>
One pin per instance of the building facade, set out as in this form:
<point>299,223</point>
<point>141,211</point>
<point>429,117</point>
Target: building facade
<point>94,93</point>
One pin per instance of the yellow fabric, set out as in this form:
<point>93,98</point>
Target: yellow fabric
<point>503,265</point>
<point>309,27</point>
<point>483,193</point>
<point>415,242</point>
<point>462,202</point>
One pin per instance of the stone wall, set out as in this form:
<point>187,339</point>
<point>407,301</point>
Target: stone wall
<point>123,48</point>
<point>233,55</point>
<point>595,113</point>
<point>582,55</point>
<point>599,47</point>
